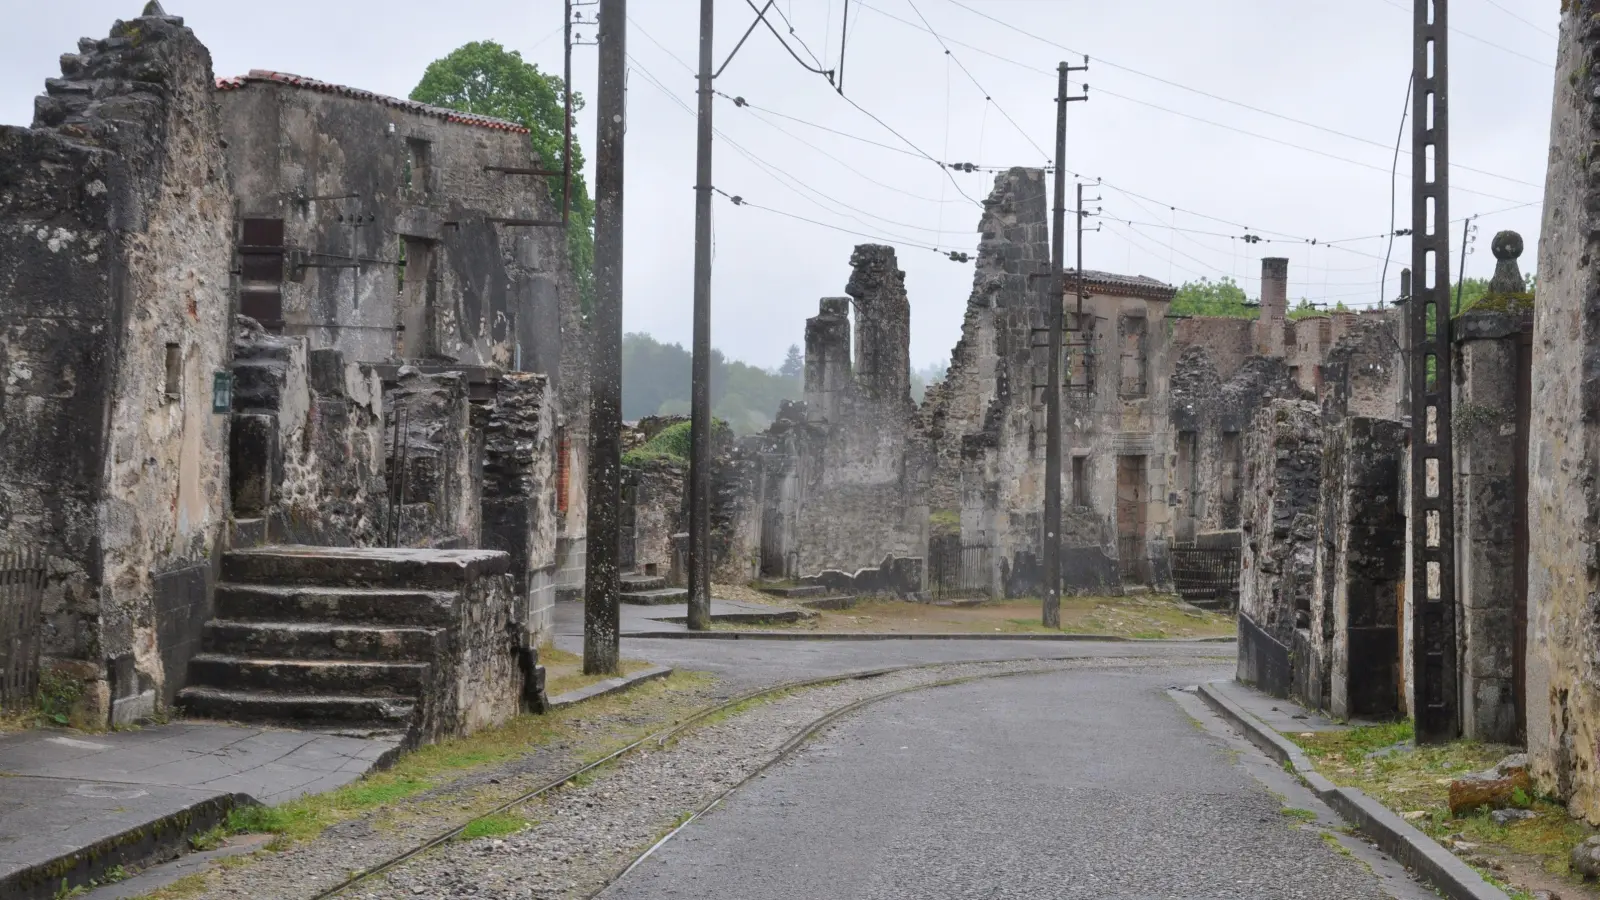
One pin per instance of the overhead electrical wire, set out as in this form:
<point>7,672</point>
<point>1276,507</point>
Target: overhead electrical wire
<point>916,150</point>
<point>775,173</point>
<point>974,79</point>
<point>1519,18</point>
<point>1485,41</point>
<point>1180,86</point>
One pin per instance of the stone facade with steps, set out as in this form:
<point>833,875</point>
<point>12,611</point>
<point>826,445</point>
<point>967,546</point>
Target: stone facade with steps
<point>419,641</point>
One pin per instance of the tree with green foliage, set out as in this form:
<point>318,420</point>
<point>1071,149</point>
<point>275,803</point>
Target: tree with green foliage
<point>794,364</point>
<point>655,381</point>
<point>486,79</point>
<point>1205,297</point>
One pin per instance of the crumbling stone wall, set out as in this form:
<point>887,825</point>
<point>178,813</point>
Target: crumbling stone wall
<point>438,459</point>
<point>307,451</point>
<point>1210,415</point>
<point>114,254</point>
<point>1360,569</point>
<point>1228,341</point>
<point>1283,468</point>
<point>1563,681</point>
<point>519,499</point>
<point>859,475</point>
<point>660,510</point>
<point>390,217</point>
<point>476,678</point>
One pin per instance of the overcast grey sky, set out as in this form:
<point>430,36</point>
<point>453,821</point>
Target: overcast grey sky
<point>1338,66</point>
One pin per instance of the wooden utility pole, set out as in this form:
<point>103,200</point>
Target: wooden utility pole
<point>700,377</point>
<point>602,581</point>
<point>1052,391</point>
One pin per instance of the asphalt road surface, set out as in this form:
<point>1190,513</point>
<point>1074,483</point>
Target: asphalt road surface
<point>1088,784</point>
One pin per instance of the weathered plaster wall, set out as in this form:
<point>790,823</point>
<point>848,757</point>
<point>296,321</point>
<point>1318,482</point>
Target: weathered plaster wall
<point>399,187</point>
<point>1563,682</point>
<point>114,283</point>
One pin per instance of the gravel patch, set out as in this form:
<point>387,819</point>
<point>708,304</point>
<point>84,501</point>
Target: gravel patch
<point>584,835</point>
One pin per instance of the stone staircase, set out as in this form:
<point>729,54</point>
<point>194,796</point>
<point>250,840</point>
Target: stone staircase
<point>327,636</point>
<point>651,590</point>
<point>789,591</point>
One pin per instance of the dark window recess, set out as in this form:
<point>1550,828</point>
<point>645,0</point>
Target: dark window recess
<point>417,174</point>
<point>265,307</point>
<point>1080,481</point>
<point>261,257</point>
<point>174,371</point>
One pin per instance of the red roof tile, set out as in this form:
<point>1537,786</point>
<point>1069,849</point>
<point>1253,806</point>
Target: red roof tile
<point>311,84</point>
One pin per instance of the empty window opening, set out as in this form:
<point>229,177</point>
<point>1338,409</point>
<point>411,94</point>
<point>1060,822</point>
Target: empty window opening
<point>417,167</point>
<point>174,389</point>
<point>1231,482</point>
<point>1080,481</point>
<point>1134,348</point>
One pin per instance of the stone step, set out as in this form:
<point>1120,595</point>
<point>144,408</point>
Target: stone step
<point>308,676</point>
<point>833,604</point>
<point>244,533</point>
<point>360,606</point>
<point>418,569</point>
<point>299,709</point>
<point>658,597</point>
<point>637,583</point>
<point>792,591</point>
<point>320,640</point>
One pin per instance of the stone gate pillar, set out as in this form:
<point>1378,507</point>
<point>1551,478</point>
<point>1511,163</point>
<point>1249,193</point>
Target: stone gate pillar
<point>1491,415</point>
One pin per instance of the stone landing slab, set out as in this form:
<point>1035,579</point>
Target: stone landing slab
<point>73,806</point>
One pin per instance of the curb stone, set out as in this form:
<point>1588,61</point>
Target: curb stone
<point>934,636</point>
<point>1394,835</point>
<point>609,686</point>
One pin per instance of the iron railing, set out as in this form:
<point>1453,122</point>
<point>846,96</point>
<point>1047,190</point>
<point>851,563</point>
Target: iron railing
<point>22,579</point>
<point>956,569</point>
<point>1206,574</point>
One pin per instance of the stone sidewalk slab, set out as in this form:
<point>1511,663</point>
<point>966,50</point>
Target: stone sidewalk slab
<point>1281,715</point>
<point>568,615</point>
<point>76,805</point>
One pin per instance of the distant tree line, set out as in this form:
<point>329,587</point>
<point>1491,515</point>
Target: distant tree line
<point>655,381</point>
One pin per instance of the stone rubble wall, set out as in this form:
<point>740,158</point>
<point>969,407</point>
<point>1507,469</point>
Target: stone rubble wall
<point>307,446</point>
<point>1563,679</point>
<point>476,679</point>
<point>1283,469</point>
<point>114,244</point>
<point>519,501</point>
<point>438,461</point>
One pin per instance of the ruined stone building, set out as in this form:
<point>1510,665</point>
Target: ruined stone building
<point>291,381</point>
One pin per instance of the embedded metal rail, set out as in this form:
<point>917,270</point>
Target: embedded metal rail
<point>662,738</point>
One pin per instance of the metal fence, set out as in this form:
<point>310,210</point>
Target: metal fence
<point>1206,574</point>
<point>22,577</point>
<point>956,569</point>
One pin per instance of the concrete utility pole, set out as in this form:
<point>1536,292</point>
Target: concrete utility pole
<point>1052,392</point>
<point>1436,701</point>
<point>700,378</point>
<point>602,581</point>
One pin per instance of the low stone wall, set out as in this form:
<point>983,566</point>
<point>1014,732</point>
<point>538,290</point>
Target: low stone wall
<point>476,679</point>
<point>896,576</point>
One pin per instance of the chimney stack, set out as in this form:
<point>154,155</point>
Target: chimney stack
<point>1274,306</point>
